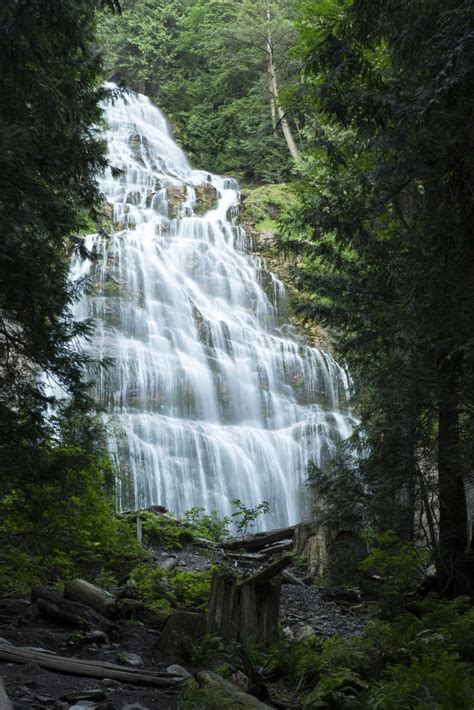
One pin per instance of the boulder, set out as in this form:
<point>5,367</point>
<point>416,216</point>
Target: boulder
<point>303,632</point>
<point>175,196</point>
<point>225,691</point>
<point>107,210</point>
<point>206,198</point>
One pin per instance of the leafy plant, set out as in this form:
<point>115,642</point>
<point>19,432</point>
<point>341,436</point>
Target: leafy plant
<point>207,525</point>
<point>245,518</point>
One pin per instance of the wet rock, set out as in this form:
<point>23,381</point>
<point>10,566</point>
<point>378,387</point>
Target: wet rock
<point>107,210</point>
<point>304,632</point>
<point>91,695</point>
<point>175,195</point>
<point>131,659</point>
<point>240,680</point>
<point>206,198</point>
<point>110,683</point>
<point>133,198</point>
<point>133,706</point>
<point>95,636</point>
<point>176,669</point>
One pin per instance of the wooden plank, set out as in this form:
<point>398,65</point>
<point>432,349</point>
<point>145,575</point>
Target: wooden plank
<point>89,669</point>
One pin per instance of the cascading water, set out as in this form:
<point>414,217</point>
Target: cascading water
<point>209,395</point>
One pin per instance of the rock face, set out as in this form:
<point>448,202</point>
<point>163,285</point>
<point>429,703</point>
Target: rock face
<point>206,198</point>
<point>175,196</point>
<point>107,210</point>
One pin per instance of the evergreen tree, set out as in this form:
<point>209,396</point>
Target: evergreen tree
<point>50,154</point>
<point>388,249</point>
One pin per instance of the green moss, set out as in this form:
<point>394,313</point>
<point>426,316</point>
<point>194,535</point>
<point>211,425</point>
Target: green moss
<point>264,206</point>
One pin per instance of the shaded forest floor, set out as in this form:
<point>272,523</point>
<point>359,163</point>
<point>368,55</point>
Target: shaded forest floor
<point>305,611</point>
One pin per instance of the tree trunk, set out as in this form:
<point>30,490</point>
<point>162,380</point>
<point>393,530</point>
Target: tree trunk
<point>453,533</point>
<point>86,593</point>
<point>274,96</point>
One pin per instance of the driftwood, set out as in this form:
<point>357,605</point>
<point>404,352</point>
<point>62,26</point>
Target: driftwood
<point>246,610</point>
<point>88,669</point>
<point>255,543</point>
<point>5,702</point>
<point>53,605</point>
<point>86,593</point>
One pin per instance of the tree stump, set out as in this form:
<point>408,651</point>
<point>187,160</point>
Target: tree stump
<point>246,610</point>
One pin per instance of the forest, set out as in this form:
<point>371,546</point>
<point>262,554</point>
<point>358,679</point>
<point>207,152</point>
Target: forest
<point>236,354</point>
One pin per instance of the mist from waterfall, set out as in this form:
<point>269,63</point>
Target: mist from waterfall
<point>210,394</point>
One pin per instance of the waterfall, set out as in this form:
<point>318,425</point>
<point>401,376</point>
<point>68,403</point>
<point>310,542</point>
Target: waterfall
<point>209,394</point>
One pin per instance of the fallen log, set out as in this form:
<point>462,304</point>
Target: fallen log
<point>255,543</point>
<point>86,668</point>
<point>267,573</point>
<point>88,594</point>
<point>278,547</point>
<point>53,605</point>
<point>5,702</point>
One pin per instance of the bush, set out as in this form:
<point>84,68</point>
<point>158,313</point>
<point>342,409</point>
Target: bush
<point>178,588</point>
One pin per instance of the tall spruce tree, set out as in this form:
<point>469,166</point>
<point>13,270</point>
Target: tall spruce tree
<point>387,252</point>
<point>50,153</point>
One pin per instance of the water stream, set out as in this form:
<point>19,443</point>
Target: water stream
<point>210,395</point>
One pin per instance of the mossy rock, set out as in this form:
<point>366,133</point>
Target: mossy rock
<point>209,690</point>
<point>206,198</point>
<point>264,206</point>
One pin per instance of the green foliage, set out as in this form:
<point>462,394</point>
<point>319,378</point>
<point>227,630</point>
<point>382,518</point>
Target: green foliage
<point>384,242</point>
<point>265,205</point>
<point>246,518</point>
<point>398,569</point>
<point>163,530</point>
<point>295,661</point>
<point>59,521</point>
<point>207,525</point>
<point>163,589</point>
<point>426,683</point>
<point>205,64</point>
<point>412,662</point>
<point>213,652</point>
<point>193,697</point>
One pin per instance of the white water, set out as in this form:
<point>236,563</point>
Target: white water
<point>209,396</point>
